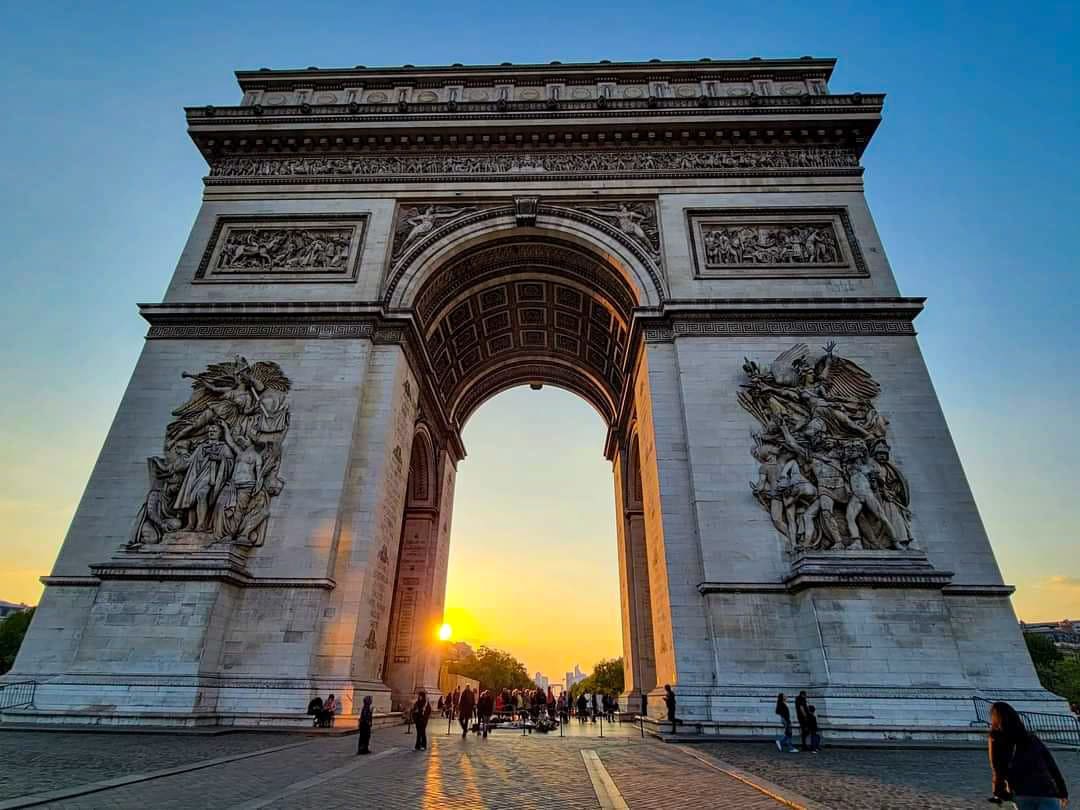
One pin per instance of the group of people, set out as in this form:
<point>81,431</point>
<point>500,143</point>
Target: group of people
<point>806,714</point>
<point>322,711</point>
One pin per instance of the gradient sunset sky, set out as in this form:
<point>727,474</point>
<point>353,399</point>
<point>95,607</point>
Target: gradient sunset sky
<point>972,179</point>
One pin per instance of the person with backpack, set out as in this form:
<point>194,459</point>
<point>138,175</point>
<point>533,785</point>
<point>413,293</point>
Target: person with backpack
<point>800,718</point>
<point>1022,769</point>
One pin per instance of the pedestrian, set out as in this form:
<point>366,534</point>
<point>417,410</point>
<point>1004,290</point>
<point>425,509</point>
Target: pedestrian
<point>484,707</point>
<point>594,706</point>
<point>314,708</point>
<point>582,707</point>
<point>784,743</point>
<point>439,706</point>
<point>1022,769</point>
<point>670,702</point>
<point>551,703</point>
<point>812,730</point>
<point>466,703</point>
<point>330,708</point>
<point>421,711</point>
<point>366,718</point>
<point>800,717</point>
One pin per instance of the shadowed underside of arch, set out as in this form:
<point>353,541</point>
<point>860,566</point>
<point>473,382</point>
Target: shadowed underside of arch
<point>535,310</point>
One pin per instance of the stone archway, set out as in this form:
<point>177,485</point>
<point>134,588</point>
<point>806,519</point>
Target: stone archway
<point>501,306</point>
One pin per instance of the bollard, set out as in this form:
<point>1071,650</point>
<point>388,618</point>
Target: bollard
<point>601,726</point>
<point>641,720</point>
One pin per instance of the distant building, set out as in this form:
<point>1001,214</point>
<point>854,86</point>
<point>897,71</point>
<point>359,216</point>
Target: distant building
<point>541,680</point>
<point>458,651</point>
<point>8,608</point>
<point>577,676</point>
<point>1065,634</point>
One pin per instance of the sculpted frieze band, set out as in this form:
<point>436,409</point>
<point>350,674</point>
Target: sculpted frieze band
<point>825,475</point>
<point>219,473</point>
<point>373,168</point>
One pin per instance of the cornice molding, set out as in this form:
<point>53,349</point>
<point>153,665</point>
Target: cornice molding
<point>601,107</point>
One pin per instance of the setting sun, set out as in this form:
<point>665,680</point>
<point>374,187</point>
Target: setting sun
<point>445,632</point>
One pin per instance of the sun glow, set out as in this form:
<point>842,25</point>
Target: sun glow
<point>445,632</point>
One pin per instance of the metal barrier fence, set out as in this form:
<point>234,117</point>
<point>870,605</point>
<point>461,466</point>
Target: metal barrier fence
<point>17,694</point>
<point>1063,729</point>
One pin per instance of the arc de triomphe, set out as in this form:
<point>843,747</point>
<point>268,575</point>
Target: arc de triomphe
<point>686,245</point>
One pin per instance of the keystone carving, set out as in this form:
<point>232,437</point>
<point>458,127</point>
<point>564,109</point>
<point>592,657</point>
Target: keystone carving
<point>825,473</point>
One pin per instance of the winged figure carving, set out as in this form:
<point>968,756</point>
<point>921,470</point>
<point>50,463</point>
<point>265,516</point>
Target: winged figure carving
<point>221,462</point>
<point>826,475</point>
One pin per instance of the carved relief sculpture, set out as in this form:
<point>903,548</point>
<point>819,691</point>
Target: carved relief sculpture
<point>825,473</point>
<point>300,247</point>
<point>735,245</point>
<point>463,167</point>
<point>222,456</point>
<point>415,222</point>
<point>316,250</point>
<point>636,220</point>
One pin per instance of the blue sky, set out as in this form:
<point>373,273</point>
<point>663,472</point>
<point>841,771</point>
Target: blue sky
<point>972,178</point>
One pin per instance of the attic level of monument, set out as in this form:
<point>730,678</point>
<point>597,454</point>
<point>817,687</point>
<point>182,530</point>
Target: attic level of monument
<point>779,103</point>
<point>806,67</point>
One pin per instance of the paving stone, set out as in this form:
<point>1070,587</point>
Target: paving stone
<point>880,779</point>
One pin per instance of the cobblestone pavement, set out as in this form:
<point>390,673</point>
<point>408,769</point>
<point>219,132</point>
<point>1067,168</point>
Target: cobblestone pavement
<point>880,779</point>
<point>504,771</point>
<point>41,761</point>
<point>667,778</point>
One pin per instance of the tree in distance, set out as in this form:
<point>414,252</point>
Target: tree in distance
<point>606,678</point>
<point>495,669</point>
<point>12,630</point>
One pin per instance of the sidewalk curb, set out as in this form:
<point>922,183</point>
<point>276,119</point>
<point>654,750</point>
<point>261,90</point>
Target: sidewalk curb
<point>774,791</point>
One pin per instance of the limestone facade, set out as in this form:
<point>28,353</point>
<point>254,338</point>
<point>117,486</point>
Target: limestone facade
<point>404,244</point>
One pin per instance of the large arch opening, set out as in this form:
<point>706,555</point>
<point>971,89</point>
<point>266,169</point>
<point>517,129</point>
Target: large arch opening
<point>538,308</point>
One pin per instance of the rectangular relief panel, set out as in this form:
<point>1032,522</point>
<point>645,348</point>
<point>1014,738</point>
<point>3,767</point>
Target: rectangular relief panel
<point>774,243</point>
<point>290,248</point>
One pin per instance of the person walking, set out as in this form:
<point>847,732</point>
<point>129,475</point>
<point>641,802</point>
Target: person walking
<point>367,717</point>
<point>582,707</point>
<point>595,706</point>
<point>484,707</point>
<point>784,743</point>
<point>330,708</point>
<point>800,717</point>
<point>670,703</point>
<point>812,730</point>
<point>1022,769</point>
<point>466,703</point>
<point>421,711</point>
